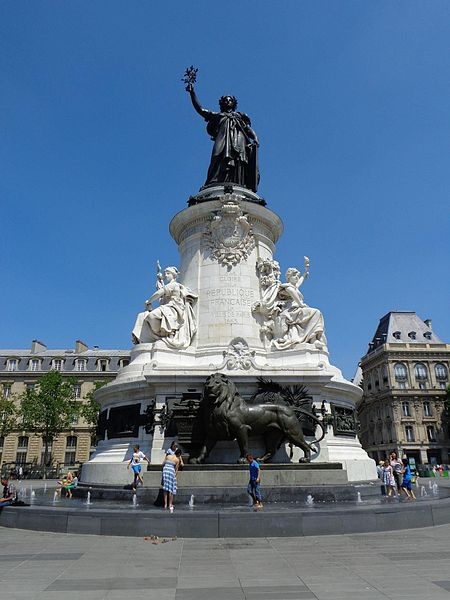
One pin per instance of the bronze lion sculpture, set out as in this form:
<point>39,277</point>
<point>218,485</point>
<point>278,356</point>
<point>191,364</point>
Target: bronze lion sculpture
<point>226,416</point>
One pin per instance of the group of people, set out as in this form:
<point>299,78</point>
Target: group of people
<point>68,483</point>
<point>396,477</point>
<point>173,463</point>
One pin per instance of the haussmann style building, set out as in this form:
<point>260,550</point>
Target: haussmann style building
<point>404,376</point>
<point>21,369</point>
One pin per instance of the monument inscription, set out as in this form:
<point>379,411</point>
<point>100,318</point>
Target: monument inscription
<point>229,304</point>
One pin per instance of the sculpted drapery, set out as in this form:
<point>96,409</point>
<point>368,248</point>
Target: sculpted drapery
<point>287,320</point>
<point>173,321</point>
<point>234,156</point>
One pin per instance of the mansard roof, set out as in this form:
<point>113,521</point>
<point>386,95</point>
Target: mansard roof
<point>39,351</point>
<point>401,327</point>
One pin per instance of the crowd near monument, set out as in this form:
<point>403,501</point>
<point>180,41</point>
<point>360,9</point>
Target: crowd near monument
<point>228,357</point>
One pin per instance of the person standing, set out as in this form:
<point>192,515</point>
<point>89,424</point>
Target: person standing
<point>380,467</point>
<point>135,463</point>
<point>169,478</point>
<point>407,480</point>
<point>388,478</point>
<point>397,468</point>
<point>254,484</point>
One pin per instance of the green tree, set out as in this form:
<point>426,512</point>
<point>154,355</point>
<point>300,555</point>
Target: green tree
<point>9,416</point>
<point>49,408</point>
<point>90,410</point>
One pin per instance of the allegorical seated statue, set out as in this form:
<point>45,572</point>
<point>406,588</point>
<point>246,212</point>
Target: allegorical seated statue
<point>234,156</point>
<point>287,320</point>
<point>174,319</point>
<point>226,416</point>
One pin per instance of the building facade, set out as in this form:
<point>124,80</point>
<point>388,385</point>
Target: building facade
<point>21,369</point>
<point>404,376</point>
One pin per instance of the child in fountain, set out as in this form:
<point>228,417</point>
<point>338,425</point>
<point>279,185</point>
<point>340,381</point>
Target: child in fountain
<point>135,463</point>
<point>388,479</point>
<point>407,480</point>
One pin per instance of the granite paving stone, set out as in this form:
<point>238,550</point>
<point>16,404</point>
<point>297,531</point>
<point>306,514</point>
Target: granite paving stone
<point>41,565</point>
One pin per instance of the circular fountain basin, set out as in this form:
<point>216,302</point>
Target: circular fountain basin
<point>276,519</point>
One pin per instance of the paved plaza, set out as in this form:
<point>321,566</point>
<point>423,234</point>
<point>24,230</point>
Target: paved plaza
<point>412,564</point>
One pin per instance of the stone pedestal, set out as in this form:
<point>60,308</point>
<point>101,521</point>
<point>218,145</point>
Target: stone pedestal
<point>223,237</point>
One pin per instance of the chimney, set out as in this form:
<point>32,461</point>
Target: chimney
<point>37,346</point>
<point>80,347</point>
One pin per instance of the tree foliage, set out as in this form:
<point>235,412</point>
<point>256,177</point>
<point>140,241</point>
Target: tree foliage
<point>49,408</point>
<point>9,416</point>
<point>91,408</point>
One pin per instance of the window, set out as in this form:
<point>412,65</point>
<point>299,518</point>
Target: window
<point>22,449</point>
<point>422,385</point>
<point>427,409</point>
<point>77,390</point>
<point>80,364</point>
<point>420,371</point>
<point>431,433</point>
<point>412,335</point>
<point>397,334</point>
<point>35,364</point>
<point>406,411</point>
<point>71,450</point>
<point>13,364</point>
<point>57,364</point>
<point>409,432</point>
<point>7,390</point>
<point>401,374</point>
<point>103,364</point>
<point>441,371</point>
<point>124,362</point>
<point>30,387</point>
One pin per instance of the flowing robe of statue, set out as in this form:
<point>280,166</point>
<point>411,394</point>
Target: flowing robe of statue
<point>173,321</point>
<point>233,158</point>
<point>287,320</point>
<point>294,321</point>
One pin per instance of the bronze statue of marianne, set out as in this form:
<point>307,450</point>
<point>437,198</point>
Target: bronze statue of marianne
<point>234,157</point>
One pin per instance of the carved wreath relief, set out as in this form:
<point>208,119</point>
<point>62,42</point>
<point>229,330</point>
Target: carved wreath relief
<point>238,355</point>
<point>229,235</point>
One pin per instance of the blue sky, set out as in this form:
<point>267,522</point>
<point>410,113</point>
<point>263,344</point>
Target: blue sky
<point>100,147</point>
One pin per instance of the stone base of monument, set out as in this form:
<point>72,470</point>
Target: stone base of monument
<point>219,484</point>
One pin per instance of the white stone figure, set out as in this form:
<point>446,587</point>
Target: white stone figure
<point>173,321</point>
<point>287,320</point>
